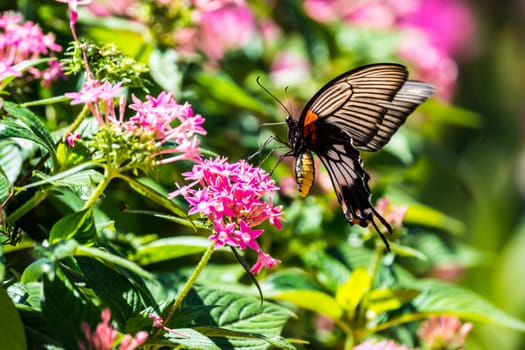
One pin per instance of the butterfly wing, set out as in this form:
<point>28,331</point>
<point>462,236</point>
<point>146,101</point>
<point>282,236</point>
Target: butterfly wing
<point>349,179</point>
<point>369,103</point>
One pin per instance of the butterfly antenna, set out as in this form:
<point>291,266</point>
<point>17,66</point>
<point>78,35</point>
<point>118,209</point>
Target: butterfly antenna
<point>272,95</point>
<point>289,101</point>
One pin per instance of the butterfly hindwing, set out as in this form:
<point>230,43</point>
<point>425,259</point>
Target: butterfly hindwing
<point>349,179</point>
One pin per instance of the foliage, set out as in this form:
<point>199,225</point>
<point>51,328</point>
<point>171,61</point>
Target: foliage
<point>122,128</point>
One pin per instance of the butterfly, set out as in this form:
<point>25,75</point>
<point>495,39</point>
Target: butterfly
<point>359,110</point>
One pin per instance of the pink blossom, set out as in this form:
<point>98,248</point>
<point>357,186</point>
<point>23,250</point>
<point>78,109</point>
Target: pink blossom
<point>73,13</point>
<point>382,345</point>
<point>158,322</point>
<point>289,68</point>
<point>171,128</point>
<point>6,70</point>
<point>99,97</point>
<point>103,337</point>
<point>324,10</point>
<point>169,122</point>
<point>71,138</point>
<point>431,64</point>
<point>263,260</point>
<point>224,28</point>
<point>449,25</point>
<point>21,41</point>
<point>392,214</point>
<point>231,197</point>
<point>444,332</point>
<point>105,8</point>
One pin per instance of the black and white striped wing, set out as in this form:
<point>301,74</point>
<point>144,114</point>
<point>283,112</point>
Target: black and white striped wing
<point>349,180</point>
<point>369,103</point>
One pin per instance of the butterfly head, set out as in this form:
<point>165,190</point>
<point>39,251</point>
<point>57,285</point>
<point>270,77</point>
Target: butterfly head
<point>294,135</point>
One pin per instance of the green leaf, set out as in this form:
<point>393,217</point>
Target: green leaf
<point>447,113</point>
<point>28,295</point>
<point>36,269</point>
<point>386,299</point>
<point>79,176</point>
<point>79,225</point>
<point>170,248</point>
<point>422,215</point>
<point>10,129</point>
<point>438,298</point>
<point>350,294</point>
<point>11,160</point>
<point>111,258</point>
<point>155,196</point>
<point>34,124</point>
<point>12,335</point>
<point>167,71</point>
<point>112,288</point>
<point>227,91</point>
<point>5,186</point>
<point>235,321</point>
<point>64,312</point>
<point>313,300</point>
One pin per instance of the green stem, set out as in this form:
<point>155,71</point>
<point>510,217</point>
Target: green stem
<point>189,283</point>
<point>76,123</point>
<point>380,248</point>
<point>108,176</point>
<point>37,198</point>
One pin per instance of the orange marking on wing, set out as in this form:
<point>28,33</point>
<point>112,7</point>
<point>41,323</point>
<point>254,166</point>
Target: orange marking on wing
<point>310,117</point>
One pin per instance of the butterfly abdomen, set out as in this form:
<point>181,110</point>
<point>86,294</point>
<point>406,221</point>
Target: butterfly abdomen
<point>304,173</point>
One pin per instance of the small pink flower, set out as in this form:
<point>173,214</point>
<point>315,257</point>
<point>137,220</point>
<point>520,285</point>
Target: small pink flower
<point>21,41</point>
<point>158,322</point>
<point>6,69</point>
<point>224,28</point>
<point>99,97</point>
<point>71,138</point>
<point>103,337</point>
<point>392,214</point>
<point>232,198</point>
<point>444,332</point>
<point>289,68</point>
<point>263,260</point>
<point>382,345</point>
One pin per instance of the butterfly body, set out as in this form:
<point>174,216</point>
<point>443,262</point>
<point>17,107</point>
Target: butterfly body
<point>358,110</point>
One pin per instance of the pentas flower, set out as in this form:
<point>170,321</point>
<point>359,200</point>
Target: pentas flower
<point>382,345</point>
<point>444,332</point>
<point>21,41</point>
<point>156,116</point>
<point>231,196</point>
<point>160,127</point>
<point>103,337</point>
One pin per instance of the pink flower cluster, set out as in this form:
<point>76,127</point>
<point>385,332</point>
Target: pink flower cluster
<point>103,337</point>
<point>231,196</point>
<point>156,116</point>
<point>439,332</point>
<point>154,119</point>
<point>429,40</point>
<point>392,214</point>
<point>21,41</point>
<point>218,26</point>
<point>382,345</point>
<point>444,332</point>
